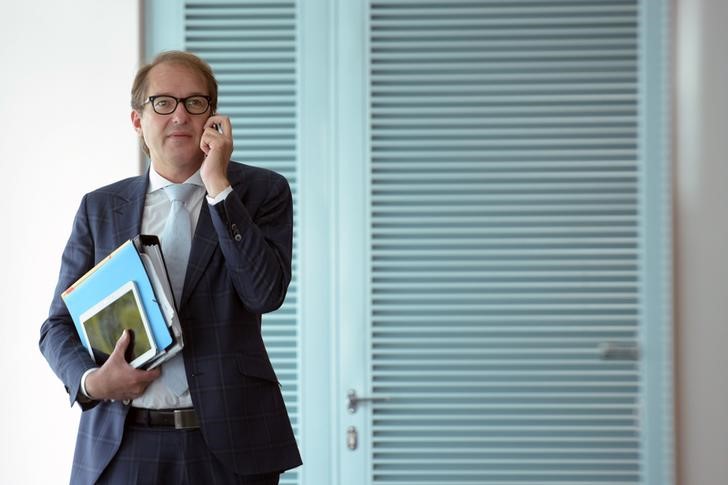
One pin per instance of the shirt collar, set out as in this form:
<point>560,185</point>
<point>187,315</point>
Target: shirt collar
<point>157,182</point>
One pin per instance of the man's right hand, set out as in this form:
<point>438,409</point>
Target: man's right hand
<point>116,379</point>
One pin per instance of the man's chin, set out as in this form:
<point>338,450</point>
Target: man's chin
<point>184,160</point>
<point>184,153</point>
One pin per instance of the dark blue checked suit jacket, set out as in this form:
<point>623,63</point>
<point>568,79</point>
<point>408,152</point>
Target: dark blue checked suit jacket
<point>239,268</point>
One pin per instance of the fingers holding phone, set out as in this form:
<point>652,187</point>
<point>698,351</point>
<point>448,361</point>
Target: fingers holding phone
<point>217,144</point>
<point>217,134</point>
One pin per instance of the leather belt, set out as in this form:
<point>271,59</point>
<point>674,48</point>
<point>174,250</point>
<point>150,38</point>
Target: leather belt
<point>164,418</point>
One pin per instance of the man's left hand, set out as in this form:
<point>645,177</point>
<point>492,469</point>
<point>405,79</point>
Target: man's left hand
<point>218,148</point>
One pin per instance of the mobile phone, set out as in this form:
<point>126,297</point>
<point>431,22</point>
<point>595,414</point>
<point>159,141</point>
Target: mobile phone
<point>217,127</point>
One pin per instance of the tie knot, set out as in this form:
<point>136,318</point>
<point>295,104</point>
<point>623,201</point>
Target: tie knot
<point>179,192</point>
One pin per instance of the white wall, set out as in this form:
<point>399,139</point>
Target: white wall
<point>701,241</point>
<point>65,75</point>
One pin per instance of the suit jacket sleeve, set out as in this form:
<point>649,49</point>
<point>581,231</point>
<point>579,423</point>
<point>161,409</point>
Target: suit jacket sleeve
<point>254,225</point>
<point>59,341</point>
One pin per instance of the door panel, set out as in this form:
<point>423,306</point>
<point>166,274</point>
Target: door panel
<point>505,298</point>
<point>252,49</point>
<point>479,186</point>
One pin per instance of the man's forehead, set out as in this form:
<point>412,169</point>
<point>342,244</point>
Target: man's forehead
<point>174,77</point>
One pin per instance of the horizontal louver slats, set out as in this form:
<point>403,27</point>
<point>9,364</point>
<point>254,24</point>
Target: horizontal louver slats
<point>504,241</point>
<point>251,47</point>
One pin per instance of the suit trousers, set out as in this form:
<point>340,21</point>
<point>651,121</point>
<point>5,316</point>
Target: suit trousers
<point>167,456</point>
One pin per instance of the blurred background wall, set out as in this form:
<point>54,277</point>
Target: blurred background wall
<point>65,74</point>
<point>701,240</point>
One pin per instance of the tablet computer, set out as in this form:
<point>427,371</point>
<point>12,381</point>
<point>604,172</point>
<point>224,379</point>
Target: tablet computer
<point>103,324</point>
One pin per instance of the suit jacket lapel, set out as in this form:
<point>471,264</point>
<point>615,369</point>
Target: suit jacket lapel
<point>203,245</point>
<point>129,209</point>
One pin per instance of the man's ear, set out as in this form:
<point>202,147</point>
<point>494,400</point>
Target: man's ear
<point>136,121</point>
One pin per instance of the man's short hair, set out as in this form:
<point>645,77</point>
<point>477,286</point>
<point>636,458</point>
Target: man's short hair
<point>186,59</point>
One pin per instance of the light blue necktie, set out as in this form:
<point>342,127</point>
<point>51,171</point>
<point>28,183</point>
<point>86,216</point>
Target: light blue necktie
<point>176,245</point>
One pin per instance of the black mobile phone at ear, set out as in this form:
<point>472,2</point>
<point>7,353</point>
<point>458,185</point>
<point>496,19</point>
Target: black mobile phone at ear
<point>217,127</point>
<point>129,354</point>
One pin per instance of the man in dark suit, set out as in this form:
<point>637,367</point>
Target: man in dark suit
<point>215,414</point>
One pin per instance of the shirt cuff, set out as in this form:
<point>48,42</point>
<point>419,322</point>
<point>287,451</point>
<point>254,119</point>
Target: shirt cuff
<point>220,197</point>
<point>83,383</point>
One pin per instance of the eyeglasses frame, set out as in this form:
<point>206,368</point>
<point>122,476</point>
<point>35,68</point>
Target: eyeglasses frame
<point>151,99</point>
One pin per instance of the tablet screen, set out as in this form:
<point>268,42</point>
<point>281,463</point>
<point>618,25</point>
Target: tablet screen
<point>104,323</point>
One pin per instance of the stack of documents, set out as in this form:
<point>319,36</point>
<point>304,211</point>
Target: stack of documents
<point>129,289</point>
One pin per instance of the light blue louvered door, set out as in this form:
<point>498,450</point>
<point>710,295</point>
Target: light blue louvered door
<point>513,191</point>
<point>483,188</point>
<point>251,47</point>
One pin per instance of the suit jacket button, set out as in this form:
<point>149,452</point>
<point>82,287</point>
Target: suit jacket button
<point>238,237</point>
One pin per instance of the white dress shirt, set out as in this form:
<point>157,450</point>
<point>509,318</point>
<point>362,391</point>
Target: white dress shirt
<point>156,209</point>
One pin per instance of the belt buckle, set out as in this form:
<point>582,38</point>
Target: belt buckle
<point>185,419</point>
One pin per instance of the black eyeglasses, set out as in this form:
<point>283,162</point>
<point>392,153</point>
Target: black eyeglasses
<point>165,105</point>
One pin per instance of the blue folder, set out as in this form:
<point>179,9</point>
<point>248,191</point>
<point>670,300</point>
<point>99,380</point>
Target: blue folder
<point>121,266</point>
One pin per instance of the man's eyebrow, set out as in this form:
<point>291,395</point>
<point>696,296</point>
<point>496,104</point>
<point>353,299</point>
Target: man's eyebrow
<point>173,96</point>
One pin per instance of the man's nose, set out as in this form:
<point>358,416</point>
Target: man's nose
<point>180,114</point>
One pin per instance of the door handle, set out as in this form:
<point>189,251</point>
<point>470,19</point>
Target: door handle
<point>619,351</point>
<point>353,400</point>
